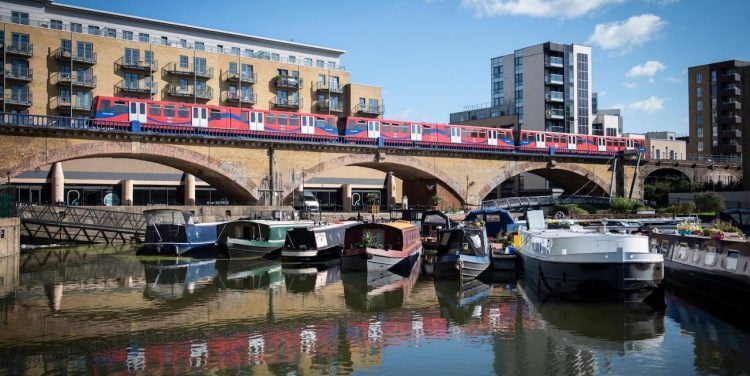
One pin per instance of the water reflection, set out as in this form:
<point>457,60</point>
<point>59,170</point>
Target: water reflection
<point>107,312</point>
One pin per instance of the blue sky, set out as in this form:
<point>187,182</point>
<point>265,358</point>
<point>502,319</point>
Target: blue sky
<point>431,57</point>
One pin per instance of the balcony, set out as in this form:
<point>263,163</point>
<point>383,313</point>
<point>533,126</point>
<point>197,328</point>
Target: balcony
<point>732,77</point>
<point>137,65</point>
<point>731,119</point>
<point>554,79</point>
<point>370,109</point>
<point>242,98</point>
<point>326,86</point>
<point>241,77</point>
<point>176,69</point>
<point>293,103</point>
<point>325,106</point>
<point>78,56</point>
<point>190,92</point>
<point>19,73</point>
<point>731,105</point>
<point>732,133</point>
<point>731,90</point>
<point>72,103</point>
<point>288,82</point>
<point>558,114</point>
<point>554,96</point>
<point>553,61</point>
<point>23,49</point>
<point>22,99</point>
<point>77,80</point>
<point>731,149</point>
<point>137,87</point>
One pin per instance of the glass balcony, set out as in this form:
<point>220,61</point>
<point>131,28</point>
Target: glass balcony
<point>370,109</point>
<point>78,80</point>
<point>324,106</point>
<point>18,98</point>
<point>137,65</point>
<point>326,86</point>
<point>554,61</point>
<point>73,103</point>
<point>19,73</point>
<point>286,102</point>
<point>555,114</point>
<point>288,82</point>
<point>238,97</point>
<point>554,79</point>
<point>78,56</point>
<point>243,77</point>
<point>554,96</point>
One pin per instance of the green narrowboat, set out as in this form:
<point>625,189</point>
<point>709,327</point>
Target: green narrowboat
<point>245,238</point>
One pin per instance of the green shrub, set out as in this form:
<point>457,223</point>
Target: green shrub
<point>621,205</point>
<point>685,208</point>
<point>570,209</point>
<point>727,227</point>
<point>708,202</point>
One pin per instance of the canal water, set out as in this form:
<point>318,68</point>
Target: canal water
<point>102,310</point>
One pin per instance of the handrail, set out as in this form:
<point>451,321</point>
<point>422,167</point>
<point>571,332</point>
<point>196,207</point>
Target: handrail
<point>82,217</point>
<point>536,201</point>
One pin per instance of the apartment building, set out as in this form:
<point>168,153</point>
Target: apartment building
<point>718,107</point>
<point>78,53</point>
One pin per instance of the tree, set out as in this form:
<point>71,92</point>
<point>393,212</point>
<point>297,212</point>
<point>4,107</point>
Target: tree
<point>708,202</point>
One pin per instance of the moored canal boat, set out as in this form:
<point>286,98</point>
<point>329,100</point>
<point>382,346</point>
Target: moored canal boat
<point>243,238</point>
<point>171,232</point>
<point>463,252</point>
<point>431,223</point>
<point>315,243</point>
<point>393,246</point>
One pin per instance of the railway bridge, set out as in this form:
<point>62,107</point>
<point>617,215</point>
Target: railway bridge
<point>264,169</point>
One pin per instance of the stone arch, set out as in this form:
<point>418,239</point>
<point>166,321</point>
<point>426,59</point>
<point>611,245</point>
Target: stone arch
<point>685,172</point>
<point>556,174</point>
<point>227,176</point>
<point>401,166</point>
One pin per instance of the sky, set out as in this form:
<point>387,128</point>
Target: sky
<point>432,57</point>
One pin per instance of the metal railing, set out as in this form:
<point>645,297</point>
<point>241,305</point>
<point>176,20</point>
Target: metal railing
<point>245,77</point>
<point>99,218</point>
<point>18,98</point>
<point>73,103</point>
<point>140,87</point>
<point>23,49</point>
<point>289,82</point>
<point>19,73</point>
<point>236,96</point>
<point>287,102</point>
<point>729,159</point>
<point>370,109</point>
<point>190,91</point>
<point>519,203</point>
<point>190,70</point>
<point>325,86</point>
<point>76,55</point>
<point>84,80</point>
<point>332,106</point>
<point>140,65</point>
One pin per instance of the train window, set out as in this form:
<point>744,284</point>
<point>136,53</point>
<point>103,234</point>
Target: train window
<point>243,116</point>
<point>710,258</point>
<point>732,260</point>
<point>134,107</point>
<point>169,111</point>
<point>329,123</point>
<point>294,120</point>
<point>105,105</point>
<point>474,134</point>
<point>252,117</point>
<point>320,122</point>
<point>386,127</point>
<point>215,115</point>
<point>154,109</point>
<point>281,119</point>
<point>404,128</point>
<point>271,119</point>
<point>121,107</point>
<point>467,133</point>
<point>482,134</point>
<point>260,117</point>
<point>183,112</point>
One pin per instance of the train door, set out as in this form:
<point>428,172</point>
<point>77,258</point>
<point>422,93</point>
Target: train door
<point>629,144</point>
<point>602,144</point>
<point>373,129</point>
<point>455,135</point>
<point>416,132</point>
<point>539,138</point>
<point>308,125</point>
<point>572,141</point>
<point>256,121</point>
<point>200,117</point>
<point>492,137</point>
<point>137,112</point>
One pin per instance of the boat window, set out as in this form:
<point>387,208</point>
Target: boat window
<point>492,218</point>
<point>373,238</point>
<point>696,254</point>
<point>665,248</point>
<point>710,258</point>
<point>732,260</point>
<point>654,246</point>
<point>682,251</point>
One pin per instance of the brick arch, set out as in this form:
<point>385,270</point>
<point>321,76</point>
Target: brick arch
<point>684,171</point>
<point>552,174</point>
<point>402,166</point>
<point>222,175</point>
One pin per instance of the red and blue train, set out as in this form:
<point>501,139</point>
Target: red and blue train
<point>356,129</point>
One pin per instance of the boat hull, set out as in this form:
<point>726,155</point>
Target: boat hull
<point>717,286</point>
<point>364,260</point>
<point>598,281</point>
<point>243,248</point>
<point>176,249</point>
<point>295,255</point>
<point>504,263</point>
<point>463,266</point>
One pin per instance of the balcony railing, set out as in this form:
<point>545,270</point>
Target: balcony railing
<point>554,61</point>
<point>18,99</point>
<point>78,80</point>
<point>732,133</point>
<point>330,106</point>
<point>22,49</point>
<point>370,109</point>
<point>68,103</point>
<point>731,149</point>
<point>325,86</point>
<point>554,79</point>
<point>286,102</point>
<point>288,82</point>
<point>731,90</point>
<point>554,96</point>
<point>190,92</point>
<point>19,73</point>
<point>243,77</point>
<point>731,77</point>
<point>731,119</point>
<point>77,56</point>
<point>176,69</point>
<point>555,114</point>
<point>238,97</point>
<point>138,65</point>
<point>731,105</point>
<point>137,87</point>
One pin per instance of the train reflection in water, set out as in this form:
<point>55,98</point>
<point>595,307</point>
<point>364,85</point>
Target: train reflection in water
<point>112,315</point>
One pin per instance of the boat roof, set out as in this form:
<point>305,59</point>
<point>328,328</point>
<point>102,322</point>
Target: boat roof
<point>398,225</point>
<point>273,223</point>
<point>564,233</point>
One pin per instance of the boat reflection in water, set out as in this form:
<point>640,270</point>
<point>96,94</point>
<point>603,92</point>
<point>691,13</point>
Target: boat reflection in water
<point>373,291</point>
<point>249,273</point>
<point>304,278</point>
<point>461,300</point>
<point>176,278</point>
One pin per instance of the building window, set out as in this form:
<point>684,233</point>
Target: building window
<point>236,51</point>
<point>248,52</point>
<point>20,18</point>
<point>331,65</point>
<point>583,90</point>
<point>148,56</point>
<point>110,32</point>
<point>497,72</point>
<point>322,79</point>
<point>308,62</point>
<point>183,61</point>
<point>85,50</point>
<point>362,102</point>
<point>183,43</point>
<point>275,57</point>
<point>94,30</point>
<point>199,64</point>
<point>182,84</point>
<point>699,92</point>
<point>200,46</point>
<point>699,119</point>
<point>233,67</point>
<point>319,63</point>
<point>699,105</point>
<point>700,146</point>
<point>66,45</point>
<point>699,132</point>
<point>76,27</point>
<point>56,24</point>
<point>165,41</point>
<point>220,48</point>
<point>143,37</point>
<point>132,56</point>
<point>292,59</point>
<point>127,35</point>
<point>698,78</point>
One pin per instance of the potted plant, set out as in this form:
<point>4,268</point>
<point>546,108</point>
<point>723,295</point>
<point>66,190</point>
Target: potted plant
<point>373,202</point>
<point>435,201</point>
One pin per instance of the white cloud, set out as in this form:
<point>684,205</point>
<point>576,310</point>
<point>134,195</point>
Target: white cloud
<point>649,69</point>
<point>627,34</point>
<point>662,2</point>
<point>649,105</point>
<point>673,79</point>
<point>630,85</point>
<point>535,8</point>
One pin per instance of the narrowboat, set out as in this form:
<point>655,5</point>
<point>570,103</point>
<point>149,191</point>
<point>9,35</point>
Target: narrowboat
<point>431,223</point>
<point>713,269</point>
<point>464,252</point>
<point>496,221</point>
<point>173,232</point>
<point>171,279</point>
<point>315,243</point>
<point>244,237</point>
<point>590,265</point>
<point>393,246</point>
